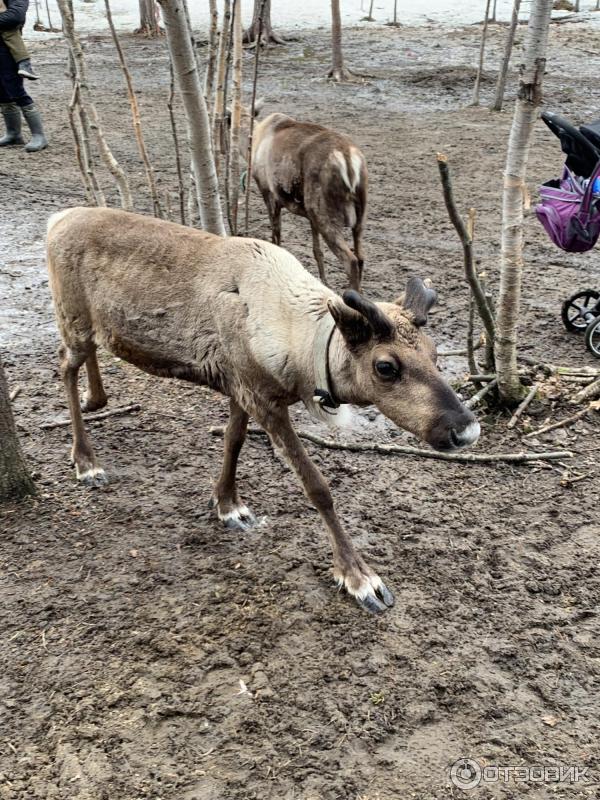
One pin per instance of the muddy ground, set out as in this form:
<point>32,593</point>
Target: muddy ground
<point>130,616</point>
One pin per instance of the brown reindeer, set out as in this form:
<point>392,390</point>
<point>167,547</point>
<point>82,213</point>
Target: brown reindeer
<point>315,173</point>
<point>245,318</point>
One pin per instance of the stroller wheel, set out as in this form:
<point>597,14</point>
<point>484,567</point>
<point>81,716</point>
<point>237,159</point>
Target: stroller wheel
<point>580,310</point>
<point>592,337</point>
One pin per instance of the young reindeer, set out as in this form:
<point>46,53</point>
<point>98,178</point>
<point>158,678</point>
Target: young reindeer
<point>315,173</point>
<point>245,318</point>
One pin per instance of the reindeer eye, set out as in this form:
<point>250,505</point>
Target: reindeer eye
<point>387,370</point>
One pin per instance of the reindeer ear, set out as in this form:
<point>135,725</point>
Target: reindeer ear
<point>258,106</point>
<point>419,297</point>
<point>353,326</point>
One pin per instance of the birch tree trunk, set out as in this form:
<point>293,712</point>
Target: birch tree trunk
<point>511,263</point>
<point>15,481</point>
<point>198,124</point>
<point>236,116</point>
<point>211,61</point>
<point>338,71</point>
<point>510,38</point>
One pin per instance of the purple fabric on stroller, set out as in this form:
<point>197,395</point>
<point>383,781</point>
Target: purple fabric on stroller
<point>568,212</point>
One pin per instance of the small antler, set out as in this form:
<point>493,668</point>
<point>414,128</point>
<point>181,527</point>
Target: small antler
<point>419,297</point>
<point>381,324</point>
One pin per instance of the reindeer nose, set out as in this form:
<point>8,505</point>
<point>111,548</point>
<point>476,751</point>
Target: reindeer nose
<point>467,436</point>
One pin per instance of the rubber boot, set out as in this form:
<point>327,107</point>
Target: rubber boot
<point>12,120</point>
<point>33,118</point>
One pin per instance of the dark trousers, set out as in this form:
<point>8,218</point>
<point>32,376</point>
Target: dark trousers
<point>11,85</point>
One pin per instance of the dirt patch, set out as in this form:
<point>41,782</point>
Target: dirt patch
<point>149,653</point>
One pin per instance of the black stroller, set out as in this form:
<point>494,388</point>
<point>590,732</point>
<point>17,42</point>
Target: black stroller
<point>570,213</point>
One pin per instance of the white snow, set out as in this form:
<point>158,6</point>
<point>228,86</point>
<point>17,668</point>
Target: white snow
<point>290,14</point>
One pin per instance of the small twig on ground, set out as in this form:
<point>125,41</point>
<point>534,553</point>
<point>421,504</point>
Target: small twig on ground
<point>477,378</point>
<point>395,449</point>
<point>563,422</point>
<point>478,397</point>
<point>113,412</point>
<point>15,393</point>
<point>515,417</point>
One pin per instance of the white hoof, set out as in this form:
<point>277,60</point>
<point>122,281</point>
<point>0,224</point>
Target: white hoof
<point>371,592</point>
<point>93,477</point>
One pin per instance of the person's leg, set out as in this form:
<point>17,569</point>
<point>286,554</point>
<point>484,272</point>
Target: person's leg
<point>12,85</point>
<point>16,46</point>
<point>10,112</point>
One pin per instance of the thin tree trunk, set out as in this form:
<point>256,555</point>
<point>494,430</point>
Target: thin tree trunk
<point>477,87</point>
<point>218,114</point>
<point>211,63</point>
<point>511,264</point>
<point>267,35</point>
<point>170,102</point>
<point>186,71</point>
<point>236,116</point>
<point>148,19</point>
<point>135,114</point>
<point>66,12</point>
<point>80,152</point>
<point>15,480</point>
<point>251,134</point>
<point>337,72</point>
<point>510,38</point>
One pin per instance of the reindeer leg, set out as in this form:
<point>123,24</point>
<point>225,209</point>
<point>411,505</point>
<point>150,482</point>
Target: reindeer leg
<point>317,252</point>
<point>349,568</point>
<point>274,209</point>
<point>82,453</point>
<point>276,223</point>
<point>337,244</point>
<point>95,396</point>
<point>225,498</point>
<point>358,251</point>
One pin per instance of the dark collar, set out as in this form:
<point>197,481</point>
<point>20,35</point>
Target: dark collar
<point>324,395</point>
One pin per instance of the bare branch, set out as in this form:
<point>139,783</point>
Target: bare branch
<point>113,412</point>
<point>395,449</point>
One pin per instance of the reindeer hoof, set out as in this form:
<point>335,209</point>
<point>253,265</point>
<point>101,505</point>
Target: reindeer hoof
<point>94,478</point>
<point>238,518</point>
<point>372,594</point>
<point>88,405</point>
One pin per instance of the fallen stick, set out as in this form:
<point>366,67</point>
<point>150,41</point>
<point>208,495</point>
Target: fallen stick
<point>114,412</point>
<point>515,417</point>
<point>478,397</point>
<point>562,424</point>
<point>589,393</point>
<point>393,449</point>
<point>15,393</point>
<point>480,378</point>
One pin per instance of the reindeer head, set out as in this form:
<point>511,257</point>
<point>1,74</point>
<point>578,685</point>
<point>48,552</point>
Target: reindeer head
<point>245,118</point>
<point>392,365</point>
